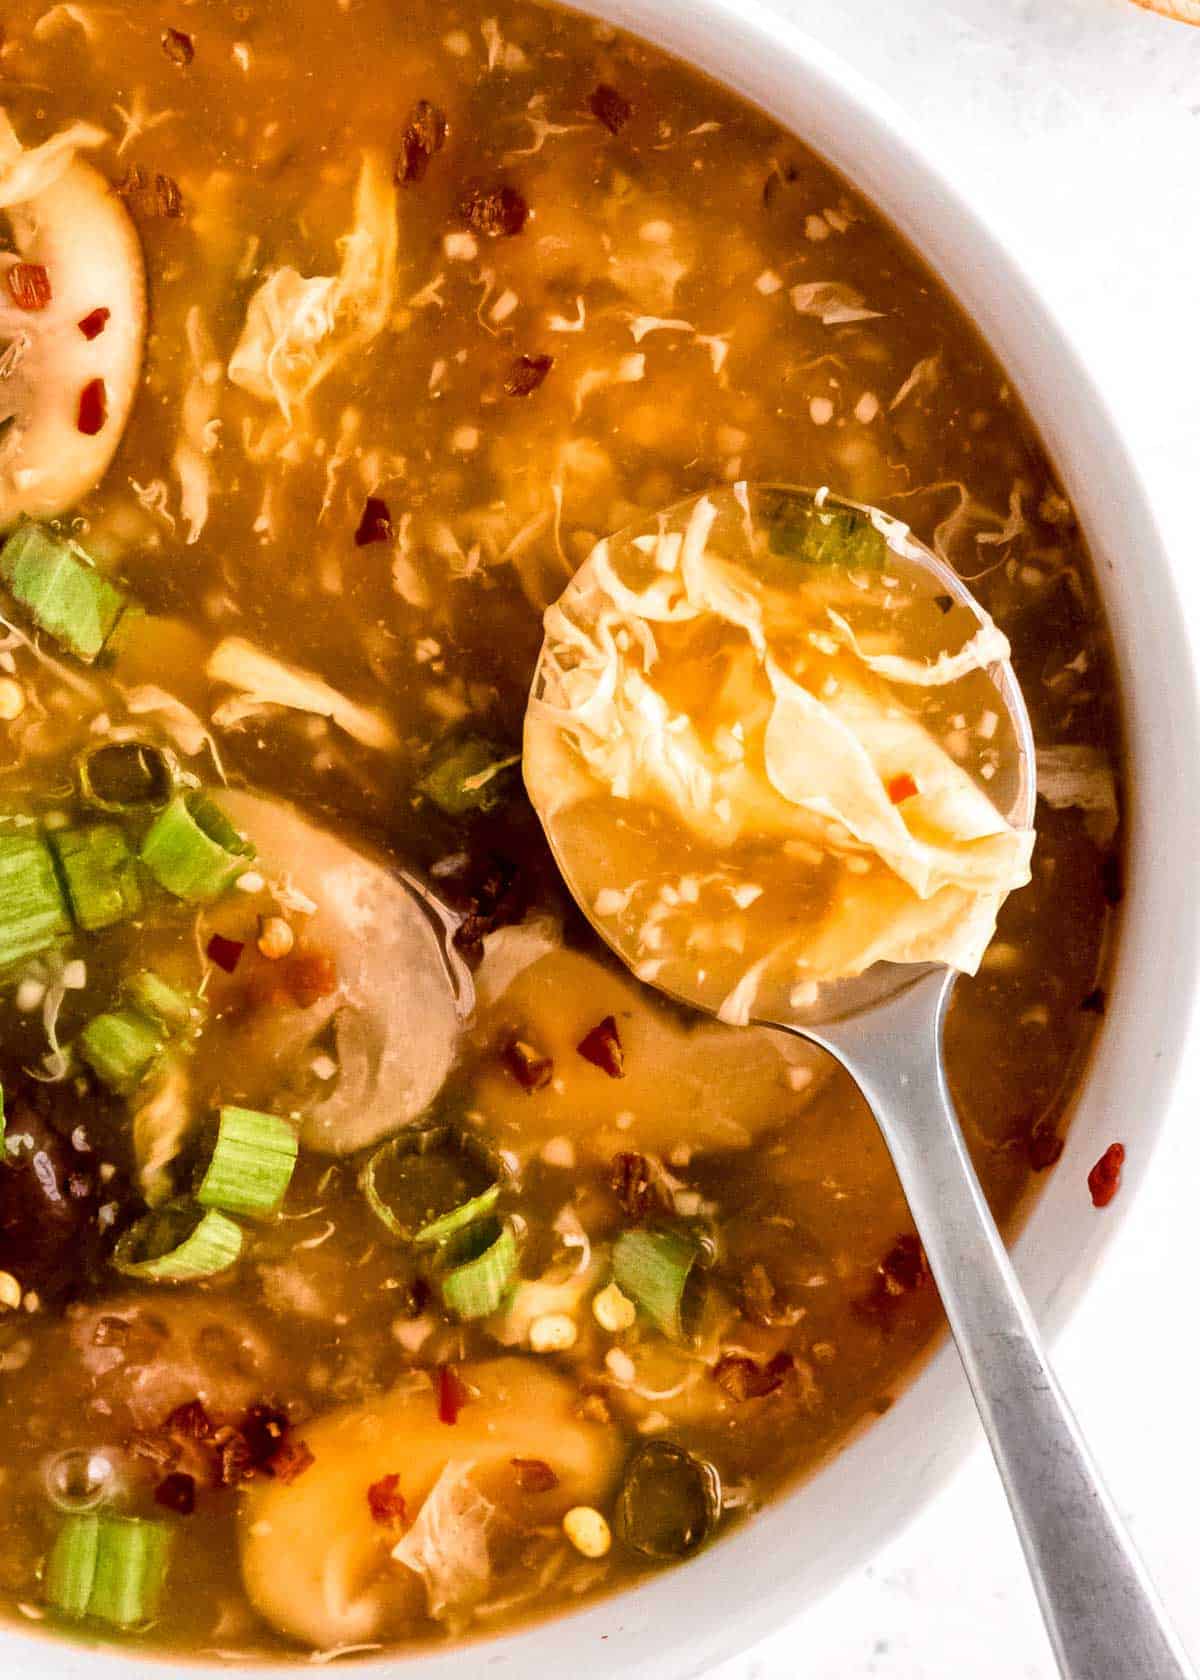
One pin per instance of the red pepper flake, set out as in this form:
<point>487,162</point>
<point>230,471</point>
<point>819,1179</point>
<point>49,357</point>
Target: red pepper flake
<point>226,953</point>
<point>387,1503</point>
<point>602,1047</point>
<point>310,976</point>
<point>742,1378</point>
<point>179,48</point>
<point>496,212</point>
<point>93,407</point>
<point>610,107</point>
<point>902,1271</point>
<point>534,1475</point>
<point>1094,1003</point>
<point>531,1070</point>
<point>526,374</point>
<point>177,1492</point>
<point>452,1394</point>
<point>190,1421</point>
<point>632,1182</point>
<point>291,1459</point>
<point>901,788</point>
<point>375,526</point>
<point>943,603</point>
<point>1104,1180</point>
<point>29,285</point>
<point>1045,1148</point>
<point>151,195</point>
<point>263,1430</point>
<point>94,323</point>
<point>424,134</point>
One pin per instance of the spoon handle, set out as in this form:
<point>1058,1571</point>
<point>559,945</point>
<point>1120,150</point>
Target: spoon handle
<point>1102,1613</point>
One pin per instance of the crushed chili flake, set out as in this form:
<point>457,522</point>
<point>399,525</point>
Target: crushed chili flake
<point>179,48</point>
<point>226,953</point>
<point>526,374</point>
<point>742,1378</point>
<point>452,1394</point>
<point>1104,1180</point>
<point>387,1504</point>
<point>263,1429</point>
<point>151,195</point>
<point>94,323</point>
<point>901,788</point>
<point>424,134</point>
<point>902,1272</point>
<point>29,285</point>
<point>531,1070</point>
<point>943,603</point>
<point>289,1460</point>
<point>93,407</point>
<point>375,526</point>
<point>191,1421</point>
<point>534,1475</point>
<point>491,894</point>
<point>632,1179</point>
<point>303,977</point>
<point>496,212</point>
<point>1094,1002</point>
<point>177,1492</point>
<point>602,1047</point>
<point>1045,1148</point>
<point>610,107</point>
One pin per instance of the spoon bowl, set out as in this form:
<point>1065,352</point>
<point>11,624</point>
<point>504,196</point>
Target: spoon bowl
<point>882,1020</point>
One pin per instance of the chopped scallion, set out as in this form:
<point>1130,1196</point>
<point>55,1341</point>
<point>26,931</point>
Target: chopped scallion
<point>178,1244</point>
<point>122,1047</point>
<point>99,873</point>
<point>466,774</point>
<point>421,1177</point>
<point>826,536</point>
<point>653,1267</point>
<point>450,1224</point>
<point>61,591</point>
<point>147,992</point>
<point>33,914</point>
<point>112,1568</point>
<point>193,850</point>
<point>485,1267</point>
<point>120,776</point>
<point>252,1163</point>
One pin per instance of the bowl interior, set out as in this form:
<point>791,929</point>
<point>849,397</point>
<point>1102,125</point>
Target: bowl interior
<point>688,1619</point>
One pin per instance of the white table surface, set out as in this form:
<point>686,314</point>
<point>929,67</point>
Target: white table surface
<point>1075,126</point>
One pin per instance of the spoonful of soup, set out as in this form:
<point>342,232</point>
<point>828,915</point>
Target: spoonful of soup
<point>786,770</point>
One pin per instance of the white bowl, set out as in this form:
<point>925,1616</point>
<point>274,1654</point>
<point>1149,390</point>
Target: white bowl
<point>690,1618</point>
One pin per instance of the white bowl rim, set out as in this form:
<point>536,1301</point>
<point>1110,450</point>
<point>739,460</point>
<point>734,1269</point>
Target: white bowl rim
<point>686,1620</point>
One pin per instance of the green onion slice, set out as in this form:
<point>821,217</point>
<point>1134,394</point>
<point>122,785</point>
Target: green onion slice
<point>99,872</point>
<point>122,1047</point>
<point>112,1568</point>
<point>193,850</point>
<point>61,590</point>
<point>653,1268</point>
<point>467,773</point>
<point>173,1008</point>
<point>178,1244</point>
<point>669,1502</point>
<point>252,1163</point>
<point>423,1185</point>
<point>829,535</point>
<point>33,913</point>
<point>123,776</point>
<point>482,1267</point>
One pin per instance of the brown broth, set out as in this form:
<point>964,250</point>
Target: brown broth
<point>697,210</point>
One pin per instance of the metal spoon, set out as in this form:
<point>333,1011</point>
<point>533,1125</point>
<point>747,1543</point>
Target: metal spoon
<point>1103,1616</point>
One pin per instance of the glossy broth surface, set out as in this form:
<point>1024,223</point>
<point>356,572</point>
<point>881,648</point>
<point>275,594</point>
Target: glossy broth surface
<point>613,286</point>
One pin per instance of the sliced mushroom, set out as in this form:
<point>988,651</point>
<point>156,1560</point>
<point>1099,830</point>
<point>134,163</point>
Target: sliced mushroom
<point>69,368</point>
<point>391,1023</point>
